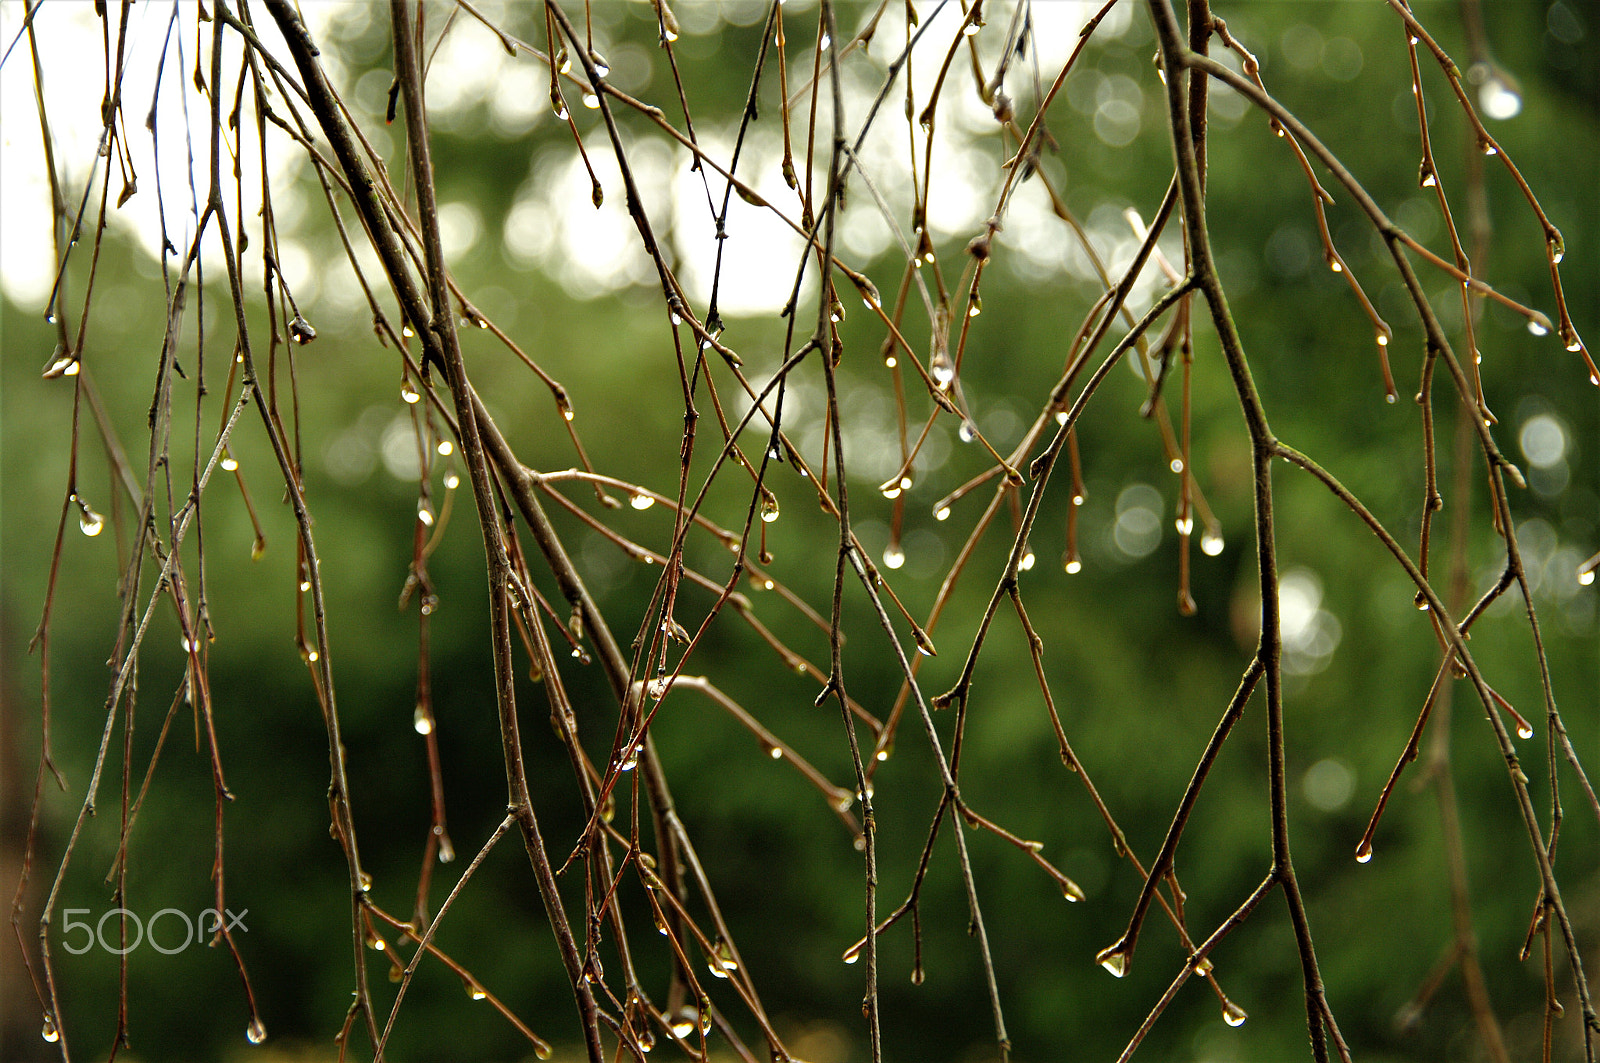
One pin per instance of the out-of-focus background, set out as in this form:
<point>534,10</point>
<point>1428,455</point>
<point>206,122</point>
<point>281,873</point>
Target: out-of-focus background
<point>1139,687</point>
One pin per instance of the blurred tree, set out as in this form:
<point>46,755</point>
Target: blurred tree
<point>713,480</point>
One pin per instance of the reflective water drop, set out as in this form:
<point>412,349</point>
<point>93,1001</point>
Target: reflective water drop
<point>852,954</point>
<point>942,513</point>
<point>1114,960</point>
<point>1364,853</point>
<point>1524,731</point>
<point>474,990</point>
<point>1211,544</point>
<point>631,760</point>
<point>1203,967</point>
<point>890,361</point>
<point>682,1027</point>
<point>305,585</point>
<point>722,961</point>
<point>544,1051</point>
<point>1176,465</point>
<point>975,307</point>
<point>967,433</point>
<point>1586,576</point>
<point>1558,246</point>
<point>1072,565</point>
<point>892,489</point>
<point>256,1032</point>
<point>228,463</point>
<point>258,549</point>
<point>1061,417</point>
<point>769,508</point>
<point>1233,1014</point>
<point>1027,561</point>
<point>558,107</point>
<point>447,852</point>
<point>601,67</point>
<point>365,881</point>
<point>446,448</point>
<point>89,521</point>
<point>971,29</point>
<point>824,42</point>
<point>1536,327</point>
<point>409,393</point>
<point>451,480</point>
<point>1185,525</point>
<point>1498,99</point>
<point>49,1032</point>
<point>421,721</point>
<point>425,513</point>
<point>591,101</point>
<point>893,556</point>
<point>641,501</point>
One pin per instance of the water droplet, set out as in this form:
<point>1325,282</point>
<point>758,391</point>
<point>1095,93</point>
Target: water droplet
<point>769,508</point>
<point>1072,565</point>
<point>447,852</point>
<point>721,961</point>
<point>544,1051</point>
<point>1558,247</point>
<point>971,29</point>
<point>422,721</point>
<point>601,67</point>
<point>89,521</point>
<point>1185,525</point>
<point>1364,853</point>
<point>1026,563</point>
<point>591,101</point>
<point>49,1032</point>
<point>882,754</point>
<point>975,307</point>
<point>365,881</point>
<point>1061,417</point>
<point>641,501</point>
<point>409,393</point>
<point>305,585</point>
<point>682,1027</point>
<point>446,448</point>
<point>1203,967</point>
<point>893,556</point>
<point>852,954</point>
<point>942,513</point>
<point>407,331</point>
<point>892,489</point>
<point>631,760</point>
<point>824,42</point>
<point>451,480</point>
<point>474,990</point>
<point>890,361</point>
<point>1538,327</point>
<point>967,433</point>
<point>1211,544</point>
<point>258,549</point>
<point>916,975</point>
<point>1335,265</point>
<point>228,463</point>
<point>1114,960</point>
<point>1586,576</point>
<point>1489,148</point>
<point>1524,731</point>
<point>1233,1014</point>
<point>425,513</point>
<point>1176,465</point>
<point>256,1032</point>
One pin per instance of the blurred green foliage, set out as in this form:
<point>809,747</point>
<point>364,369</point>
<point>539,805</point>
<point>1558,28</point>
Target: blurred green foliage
<point>1138,687</point>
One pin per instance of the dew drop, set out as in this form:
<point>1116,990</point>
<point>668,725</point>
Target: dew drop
<point>1026,563</point>
<point>365,881</point>
<point>409,393</point>
<point>641,501</point>
<point>890,361</point>
<point>632,759</point>
<point>1211,544</point>
<point>601,67</point>
<point>475,991</point>
<point>1185,525</point>
<point>852,954</point>
<point>1113,960</point>
<point>422,721</point>
<point>591,101</point>
<point>1203,967</point>
<point>446,448</point>
<point>544,1051</point>
<point>228,463</point>
<point>1176,465</point>
<point>975,307</point>
<point>966,432</point>
<point>1061,417</point>
<point>892,489</point>
<point>942,513</point>
<point>682,1028</point>
<point>971,29</point>
<point>1364,853</point>
<point>824,42</point>
<point>1586,577</point>
<point>305,585</point>
<point>1524,731</point>
<point>425,514</point>
<point>558,107</point>
<point>256,1032</point>
<point>1072,565</point>
<point>1558,246</point>
<point>893,556</point>
<point>451,480</point>
<point>49,1032</point>
<point>90,522</point>
<point>1537,327</point>
<point>769,509</point>
<point>447,852</point>
<point>1233,1014</point>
